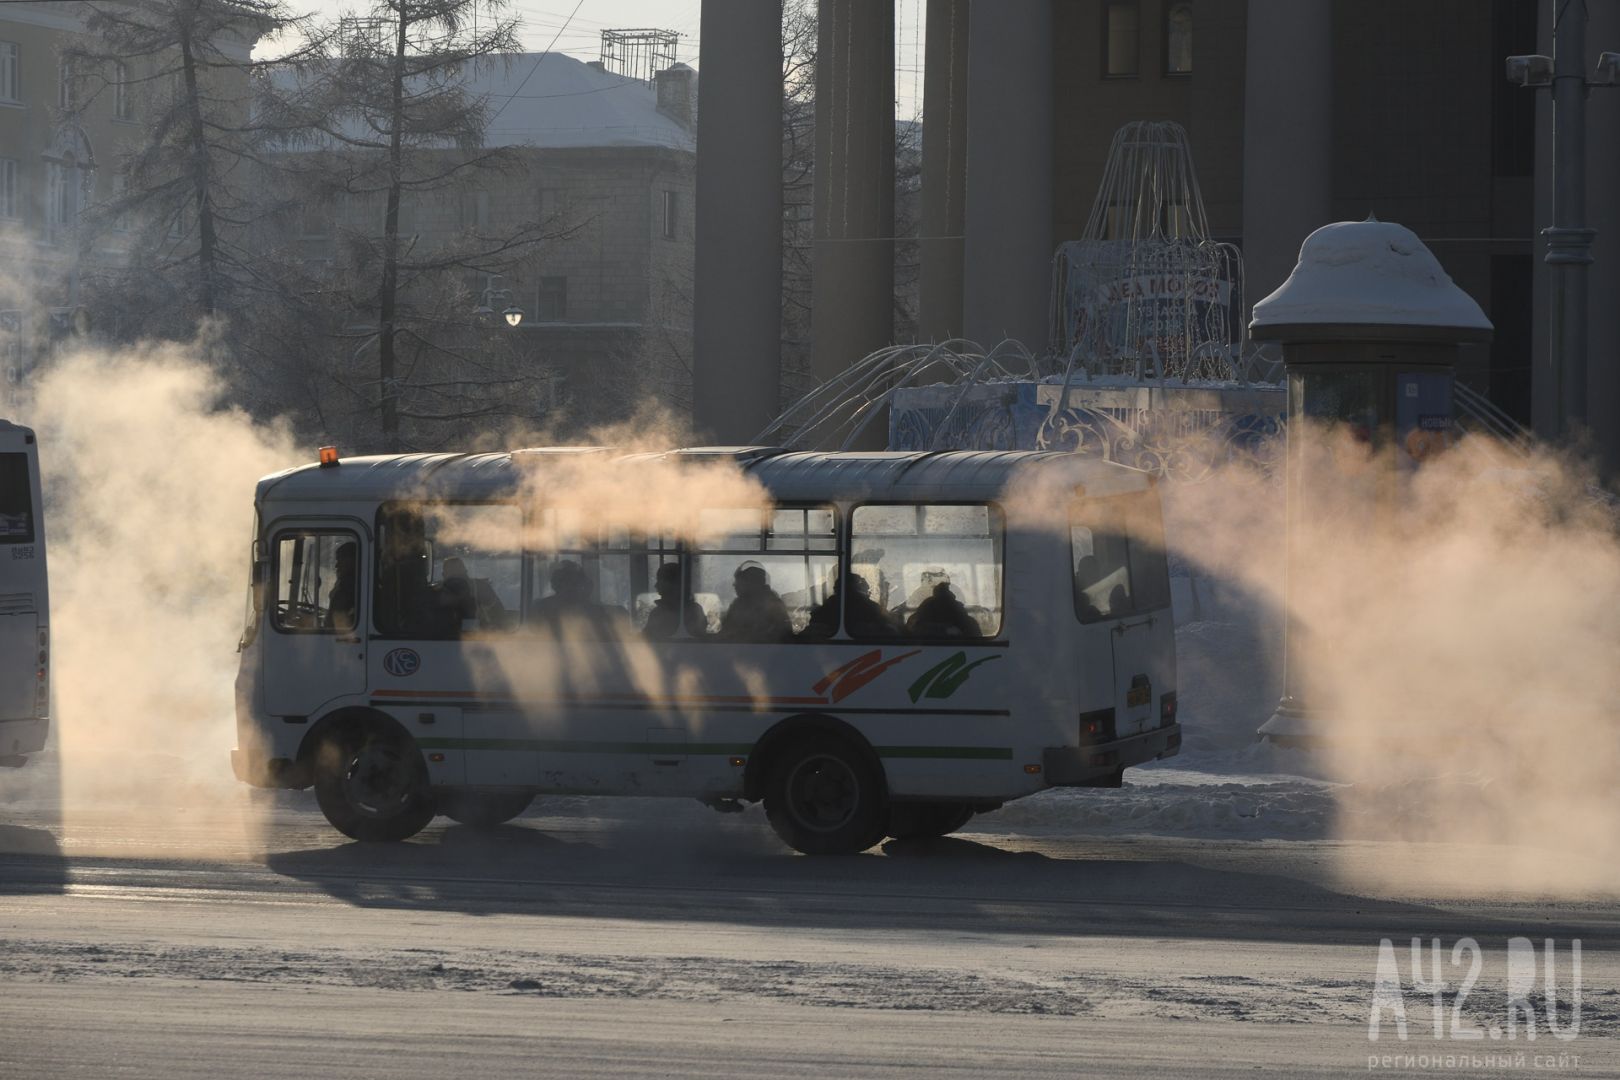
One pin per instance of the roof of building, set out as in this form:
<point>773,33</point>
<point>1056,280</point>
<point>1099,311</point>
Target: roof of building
<point>788,476</point>
<point>555,101</point>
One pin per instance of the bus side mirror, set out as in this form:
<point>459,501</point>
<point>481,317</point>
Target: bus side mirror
<point>261,571</point>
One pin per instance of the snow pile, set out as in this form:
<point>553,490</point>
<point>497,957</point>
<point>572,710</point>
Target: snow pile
<point>1369,272</point>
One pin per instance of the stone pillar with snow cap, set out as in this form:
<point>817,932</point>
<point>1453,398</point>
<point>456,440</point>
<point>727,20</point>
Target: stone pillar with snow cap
<point>1370,327</point>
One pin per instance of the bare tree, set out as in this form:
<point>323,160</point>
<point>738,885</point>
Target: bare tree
<point>187,187</point>
<point>383,126</point>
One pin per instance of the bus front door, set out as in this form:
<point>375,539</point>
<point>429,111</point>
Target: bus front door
<point>315,651</point>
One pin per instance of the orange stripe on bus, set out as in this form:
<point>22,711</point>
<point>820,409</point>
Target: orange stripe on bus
<point>716,699</point>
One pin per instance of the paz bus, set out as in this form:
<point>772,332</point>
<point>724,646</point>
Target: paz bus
<point>885,644</point>
<point>25,690</point>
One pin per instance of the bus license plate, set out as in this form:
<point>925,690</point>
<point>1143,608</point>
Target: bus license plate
<point>1138,697</point>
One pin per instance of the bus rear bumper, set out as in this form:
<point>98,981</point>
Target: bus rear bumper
<point>1100,764</point>
<point>21,737</point>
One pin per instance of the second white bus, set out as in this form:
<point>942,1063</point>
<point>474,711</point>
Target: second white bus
<point>890,646</point>
<point>25,690</point>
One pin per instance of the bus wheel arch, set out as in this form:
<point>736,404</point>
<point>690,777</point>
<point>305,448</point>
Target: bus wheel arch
<point>370,778</point>
<point>823,786</point>
<point>759,758</point>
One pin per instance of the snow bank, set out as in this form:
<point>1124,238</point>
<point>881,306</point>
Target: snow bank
<point>1368,272</point>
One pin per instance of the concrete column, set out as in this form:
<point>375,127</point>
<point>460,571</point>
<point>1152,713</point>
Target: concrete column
<point>1007,246</point>
<point>1287,136</point>
<point>737,301</point>
<point>944,171</point>
<point>1603,215</point>
<point>852,265</point>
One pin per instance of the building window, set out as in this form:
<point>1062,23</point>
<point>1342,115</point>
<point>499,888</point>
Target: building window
<point>67,86</point>
<point>475,210</point>
<point>1178,40</point>
<point>551,299</point>
<point>10,83</point>
<point>8,188</point>
<point>120,212</point>
<point>671,222</point>
<point>123,101</point>
<point>62,193</point>
<point>1122,37</point>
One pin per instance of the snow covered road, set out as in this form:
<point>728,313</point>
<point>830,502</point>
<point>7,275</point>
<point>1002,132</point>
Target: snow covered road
<point>646,938</point>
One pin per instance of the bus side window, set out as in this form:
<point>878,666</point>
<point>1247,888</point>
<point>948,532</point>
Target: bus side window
<point>761,575</point>
<point>477,575</point>
<point>316,584</point>
<point>581,581</point>
<point>1117,549</point>
<point>936,569</point>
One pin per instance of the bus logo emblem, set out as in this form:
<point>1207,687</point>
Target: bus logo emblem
<point>402,662</point>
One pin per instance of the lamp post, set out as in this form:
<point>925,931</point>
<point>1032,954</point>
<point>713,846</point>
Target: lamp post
<point>1569,238</point>
<point>493,295</point>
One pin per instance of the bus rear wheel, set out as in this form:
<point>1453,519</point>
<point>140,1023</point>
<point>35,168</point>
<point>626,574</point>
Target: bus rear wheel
<point>372,784</point>
<point>484,809</point>
<point>826,796</point>
<point>921,820</point>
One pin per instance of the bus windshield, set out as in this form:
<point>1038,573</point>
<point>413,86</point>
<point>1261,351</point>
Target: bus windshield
<point>16,499</point>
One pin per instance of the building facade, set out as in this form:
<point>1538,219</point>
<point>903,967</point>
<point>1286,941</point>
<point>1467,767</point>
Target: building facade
<point>1299,112</point>
<point>605,164</point>
<point>64,126</point>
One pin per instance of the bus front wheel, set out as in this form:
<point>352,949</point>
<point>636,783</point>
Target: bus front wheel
<point>825,796</point>
<point>920,820</point>
<point>484,809</point>
<point>372,784</point>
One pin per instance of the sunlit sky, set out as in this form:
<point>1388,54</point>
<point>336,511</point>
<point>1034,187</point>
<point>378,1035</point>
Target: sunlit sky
<point>558,25</point>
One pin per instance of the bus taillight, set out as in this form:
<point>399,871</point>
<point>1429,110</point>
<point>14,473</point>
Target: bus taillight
<point>1097,726</point>
<point>1167,709</point>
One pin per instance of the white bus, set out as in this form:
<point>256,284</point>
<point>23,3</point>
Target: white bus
<point>889,646</point>
<point>25,690</point>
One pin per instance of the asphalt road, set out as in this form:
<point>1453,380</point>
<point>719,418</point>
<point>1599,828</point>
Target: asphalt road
<point>242,937</point>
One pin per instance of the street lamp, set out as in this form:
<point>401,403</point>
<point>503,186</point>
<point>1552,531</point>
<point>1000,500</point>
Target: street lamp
<point>492,296</point>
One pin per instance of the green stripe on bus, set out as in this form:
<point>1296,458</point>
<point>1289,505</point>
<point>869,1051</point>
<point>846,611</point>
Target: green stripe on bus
<point>979,753</point>
<point>563,746</point>
<point>574,747</point>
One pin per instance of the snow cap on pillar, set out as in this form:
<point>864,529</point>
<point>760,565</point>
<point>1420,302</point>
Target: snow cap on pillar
<point>1368,279</point>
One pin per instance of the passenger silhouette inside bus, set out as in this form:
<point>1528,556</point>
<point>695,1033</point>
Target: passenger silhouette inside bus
<point>758,613</point>
<point>456,594</point>
<point>943,615</point>
<point>863,616</point>
<point>342,602</point>
<point>572,608</point>
<point>674,608</point>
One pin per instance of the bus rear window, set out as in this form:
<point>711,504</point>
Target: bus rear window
<point>16,500</point>
<point>1117,554</point>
